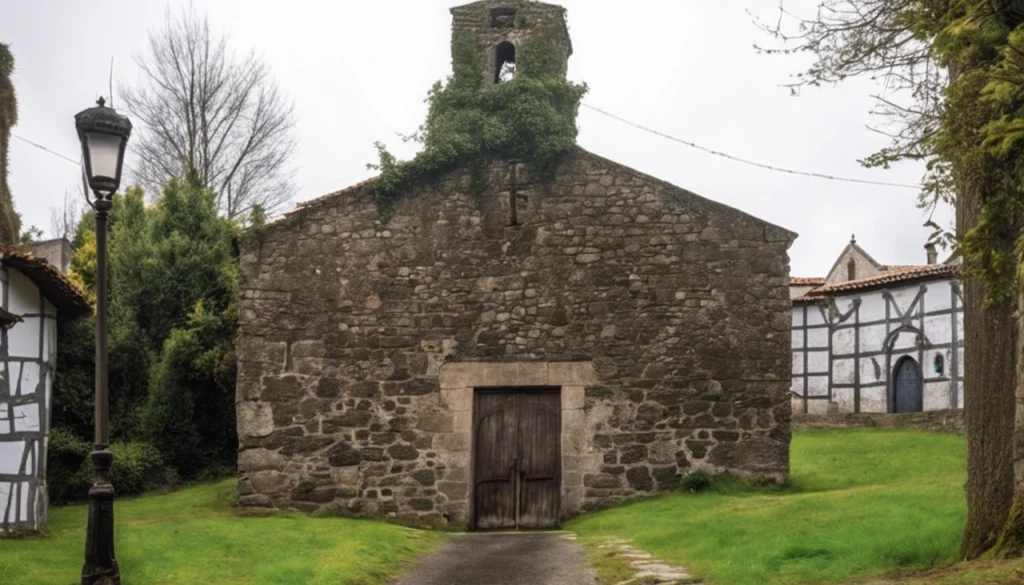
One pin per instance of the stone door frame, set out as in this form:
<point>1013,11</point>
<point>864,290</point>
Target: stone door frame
<point>459,381</point>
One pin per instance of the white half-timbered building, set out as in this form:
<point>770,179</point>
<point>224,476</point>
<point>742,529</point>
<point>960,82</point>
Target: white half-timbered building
<point>33,295</point>
<point>875,338</point>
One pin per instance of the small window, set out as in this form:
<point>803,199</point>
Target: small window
<point>940,363</point>
<point>851,270</point>
<point>504,62</point>
<point>503,18</point>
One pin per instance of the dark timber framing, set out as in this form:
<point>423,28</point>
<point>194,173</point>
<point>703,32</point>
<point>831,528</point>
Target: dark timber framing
<point>23,487</point>
<point>896,322</point>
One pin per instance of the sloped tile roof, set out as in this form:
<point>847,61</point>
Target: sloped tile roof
<point>806,281</point>
<point>895,275</point>
<point>54,285</point>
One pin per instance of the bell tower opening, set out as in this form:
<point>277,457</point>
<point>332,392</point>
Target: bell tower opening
<point>504,62</point>
<point>501,28</point>
<point>503,18</point>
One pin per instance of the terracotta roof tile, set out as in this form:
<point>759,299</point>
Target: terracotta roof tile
<point>55,286</point>
<point>905,274</point>
<point>904,267</point>
<point>806,281</point>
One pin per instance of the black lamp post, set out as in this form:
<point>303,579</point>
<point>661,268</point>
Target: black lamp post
<point>104,135</point>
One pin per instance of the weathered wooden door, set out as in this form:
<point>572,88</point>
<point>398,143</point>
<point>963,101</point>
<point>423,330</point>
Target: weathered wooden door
<point>908,387</point>
<point>518,458</point>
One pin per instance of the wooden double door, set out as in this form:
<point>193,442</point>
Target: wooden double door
<point>518,463</point>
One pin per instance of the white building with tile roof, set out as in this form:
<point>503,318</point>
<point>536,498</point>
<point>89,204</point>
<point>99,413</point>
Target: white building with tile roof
<point>34,294</point>
<point>870,337</point>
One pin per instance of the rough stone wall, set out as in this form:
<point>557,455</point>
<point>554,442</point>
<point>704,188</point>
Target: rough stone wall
<point>680,304</point>
<point>944,421</point>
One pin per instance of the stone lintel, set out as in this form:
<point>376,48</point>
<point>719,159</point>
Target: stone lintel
<point>498,374</point>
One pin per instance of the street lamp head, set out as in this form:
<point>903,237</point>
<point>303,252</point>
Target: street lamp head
<point>104,134</point>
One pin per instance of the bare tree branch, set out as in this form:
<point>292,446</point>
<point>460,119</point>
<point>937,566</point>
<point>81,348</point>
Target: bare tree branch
<point>199,104</point>
<point>889,41</point>
<point>64,220</point>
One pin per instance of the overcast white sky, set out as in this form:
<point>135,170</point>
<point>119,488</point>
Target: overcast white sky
<point>358,71</point>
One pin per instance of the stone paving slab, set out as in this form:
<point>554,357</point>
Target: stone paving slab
<point>506,558</point>
<point>648,569</point>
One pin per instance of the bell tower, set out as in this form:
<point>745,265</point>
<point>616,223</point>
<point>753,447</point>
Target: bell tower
<point>501,27</point>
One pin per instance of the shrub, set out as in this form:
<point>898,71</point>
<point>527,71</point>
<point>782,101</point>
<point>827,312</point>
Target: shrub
<point>137,467</point>
<point>696,482</point>
<point>65,453</point>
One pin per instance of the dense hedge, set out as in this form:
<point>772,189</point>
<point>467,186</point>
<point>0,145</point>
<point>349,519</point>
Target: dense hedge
<point>138,467</point>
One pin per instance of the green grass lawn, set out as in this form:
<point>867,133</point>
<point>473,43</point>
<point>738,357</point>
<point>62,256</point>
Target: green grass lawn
<point>192,536</point>
<point>860,503</point>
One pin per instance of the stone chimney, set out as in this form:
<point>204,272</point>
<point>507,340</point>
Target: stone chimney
<point>57,252</point>
<point>933,256</point>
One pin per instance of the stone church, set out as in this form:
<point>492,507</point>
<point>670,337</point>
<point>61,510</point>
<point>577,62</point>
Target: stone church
<point>513,358</point>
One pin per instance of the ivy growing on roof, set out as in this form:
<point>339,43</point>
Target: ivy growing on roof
<point>531,118</point>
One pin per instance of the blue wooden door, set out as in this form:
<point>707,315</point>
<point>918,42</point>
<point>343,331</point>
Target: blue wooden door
<point>908,387</point>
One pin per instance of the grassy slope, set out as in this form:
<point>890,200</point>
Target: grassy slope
<point>860,503</point>
<point>192,536</point>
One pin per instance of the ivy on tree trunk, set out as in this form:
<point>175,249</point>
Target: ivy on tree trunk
<point>10,222</point>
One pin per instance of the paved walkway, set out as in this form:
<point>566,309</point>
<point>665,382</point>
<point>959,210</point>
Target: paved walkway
<point>506,558</point>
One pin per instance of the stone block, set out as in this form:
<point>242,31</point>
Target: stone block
<point>457,399</point>
<point>256,501</point>
<point>462,421</point>
<point>573,397</point>
<point>255,419</point>
<point>571,374</point>
<point>250,460</point>
<point>269,482</point>
<point>572,501</point>
<point>574,433</point>
<point>436,423</point>
<point>572,479</point>
<point>257,349</point>
<point>452,442</point>
<point>454,490</point>
<point>457,473</point>
<point>529,374</point>
<point>460,375</point>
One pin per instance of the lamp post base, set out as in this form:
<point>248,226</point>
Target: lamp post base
<point>100,564</point>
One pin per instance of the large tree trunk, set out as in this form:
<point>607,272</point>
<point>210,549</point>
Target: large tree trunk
<point>989,390</point>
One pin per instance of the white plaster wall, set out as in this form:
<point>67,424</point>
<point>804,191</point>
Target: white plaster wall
<point>25,397</point>
<point>798,315</point>
<point>872,399</point>
<point>817,362</point>
<point>872,307</point>
<point>816,315</point>
<point>873,365</point>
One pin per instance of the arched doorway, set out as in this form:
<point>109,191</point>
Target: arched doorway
<point>907,386</point>
<point>504,62</point>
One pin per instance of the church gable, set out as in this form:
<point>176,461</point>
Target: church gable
<point>853,264</point>
<point>574,174</point>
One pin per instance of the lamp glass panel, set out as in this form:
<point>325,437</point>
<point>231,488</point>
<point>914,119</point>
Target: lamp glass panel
<point>103,152</point>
